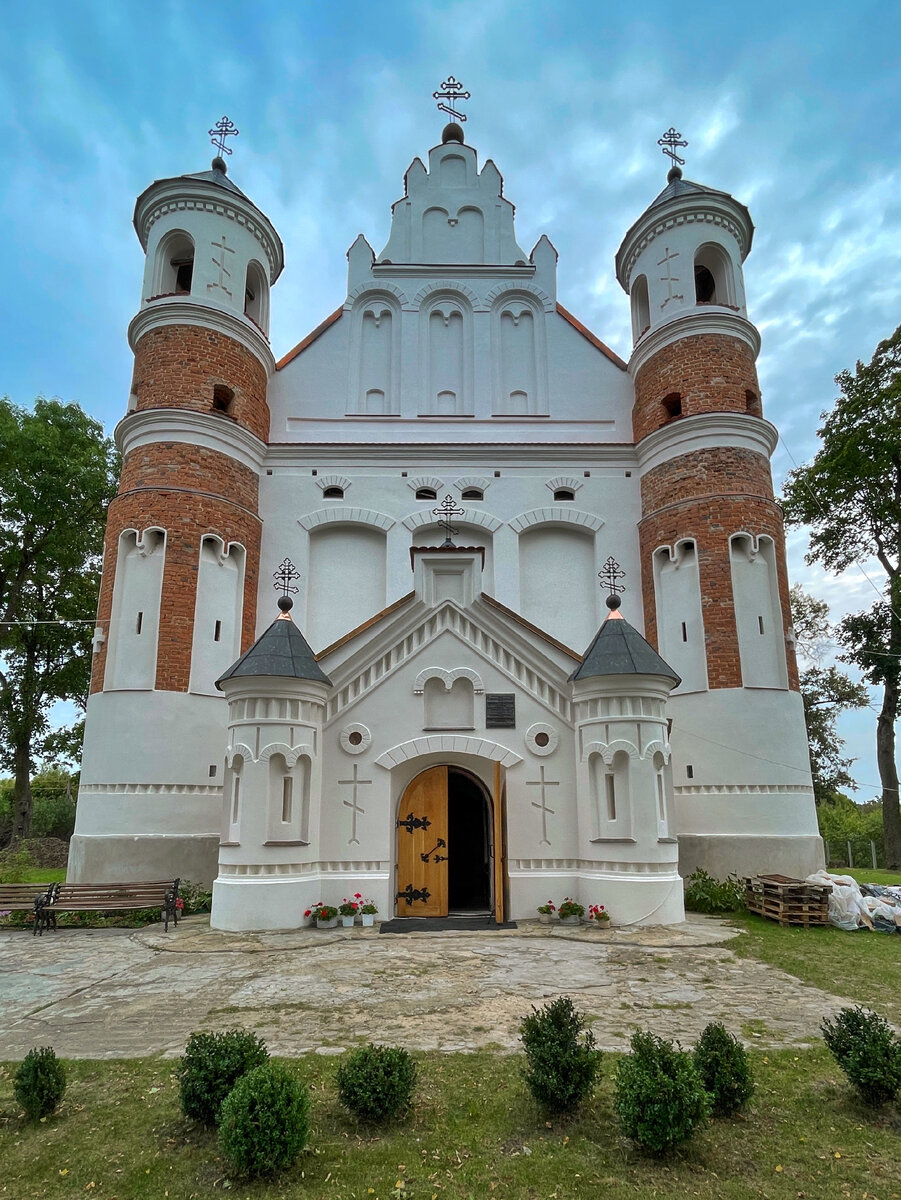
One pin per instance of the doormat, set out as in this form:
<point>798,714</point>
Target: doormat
<point>437,924</point>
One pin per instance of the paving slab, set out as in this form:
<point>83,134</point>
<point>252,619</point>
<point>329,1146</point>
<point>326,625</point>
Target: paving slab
<point>118,993</point>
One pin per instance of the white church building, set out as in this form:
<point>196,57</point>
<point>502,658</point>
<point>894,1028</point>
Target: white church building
<point>452,717</point>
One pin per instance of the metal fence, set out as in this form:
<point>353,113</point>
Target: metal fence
<point>856,852</point>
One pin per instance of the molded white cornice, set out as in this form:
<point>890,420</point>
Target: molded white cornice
<point>345,515</point>
<point>185,310</point>
<point>449,270</point>
<point>554,515</point>
<point>212,432</point>
<point>686,435</point>
<point>184,193</point>
<point>706,320</point>
<point>351,455</point>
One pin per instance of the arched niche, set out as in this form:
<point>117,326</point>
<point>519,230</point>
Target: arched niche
<point>680,620</point>
<point>218,610</point>
<point>611,801</point>
<point>375,356</point>
<point>662,794</point>
<point>135,623</point>
<point>519,356</point>
<point>557,583</point>
<point>289,799</point>
<point>714,279</point>
<point>233,799</point>
<point>446,344</point>
<point>641,307</point>
<point>347,579</point>
<point>758,612</point>
<point>256,296</point>
<point>173,268</point>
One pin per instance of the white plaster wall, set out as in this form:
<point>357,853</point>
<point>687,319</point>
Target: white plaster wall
<point>346,575</point>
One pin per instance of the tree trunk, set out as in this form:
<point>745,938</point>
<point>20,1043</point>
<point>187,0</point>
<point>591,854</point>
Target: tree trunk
<point>888,776</point>
<point>22,803</point>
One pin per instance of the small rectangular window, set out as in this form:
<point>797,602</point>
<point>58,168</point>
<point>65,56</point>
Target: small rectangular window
<point>760,624</point>
<point>235,799</point>
<point>212,770</point>
<point>690,771</point>
<point>139,622</point>
<point>610,785</point>
<point>287,798</point>
<point>217,632</point>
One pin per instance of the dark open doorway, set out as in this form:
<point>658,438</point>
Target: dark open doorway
<point>469,842</point>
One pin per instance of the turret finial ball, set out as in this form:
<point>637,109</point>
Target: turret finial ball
<point>285,603</point>
<point>613,602</point>
<point>219,164</point>
<point>452,132</point>
<point>673,174</point>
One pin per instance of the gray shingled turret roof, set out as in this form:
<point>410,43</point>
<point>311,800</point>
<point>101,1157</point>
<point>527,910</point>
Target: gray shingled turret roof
<point>215,176</point>
<point>618,649</point>
<point>281,651</point>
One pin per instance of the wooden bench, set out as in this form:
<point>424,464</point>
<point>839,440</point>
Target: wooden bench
<point>21,897</point>
<point>108,897</point>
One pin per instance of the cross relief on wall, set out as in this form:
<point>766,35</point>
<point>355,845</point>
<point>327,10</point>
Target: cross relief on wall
<point>353,804</point>
<point>542,805</point>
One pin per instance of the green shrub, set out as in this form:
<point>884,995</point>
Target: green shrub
<point>722,1063</point>
<point>197,898</point>
<point>561,1061</point>
<point>265,1121</point>
<point>869,1053</point>
<point>376,1082</point>
<point>704,894</point>
<point>40,1082</point>
<point>15,866</point>
<point>211,1065</point>
<point>660,1099</point>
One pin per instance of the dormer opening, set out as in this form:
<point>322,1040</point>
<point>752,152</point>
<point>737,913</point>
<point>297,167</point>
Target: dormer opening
<point>672,405</point>
<point>472,493</point>
<point>564,494</point>
<point>333,493</point>
<point>223,399</point>
<point>426,493</point>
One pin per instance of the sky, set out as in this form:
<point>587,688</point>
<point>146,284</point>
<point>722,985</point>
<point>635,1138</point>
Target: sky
<point>793,108</point>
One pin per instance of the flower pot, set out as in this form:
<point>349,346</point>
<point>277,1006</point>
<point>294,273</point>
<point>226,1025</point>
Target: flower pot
<point>367,918</point>
<point>547,918</point>
<point>330,924</point>
<point>348,922</point>
<point>575,920</point>
<point>601,926</point>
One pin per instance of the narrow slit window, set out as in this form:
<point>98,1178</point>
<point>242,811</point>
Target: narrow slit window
<point>610,785</point>
<point>690,771</point>
<point>661,800</point>
<point>217,632</point>
<point>760,625</point>
<point>287,799</point>
<point>139,622</point>
<point>684,633</point>
<point>236,795</point>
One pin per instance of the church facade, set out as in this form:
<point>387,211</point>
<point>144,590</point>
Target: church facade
<point>436,476</point>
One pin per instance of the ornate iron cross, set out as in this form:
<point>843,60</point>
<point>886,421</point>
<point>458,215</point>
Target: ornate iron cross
<point>668,143</point>
<point>451,90</point>
<point>284,578</point>
<point>609,575</point>
<point>221,130</point>
<point>444,513</point>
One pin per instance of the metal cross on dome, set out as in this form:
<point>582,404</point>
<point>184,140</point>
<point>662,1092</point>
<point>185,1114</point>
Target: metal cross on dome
<point>668,143</point>
<point>451,90</point>
<point>284,578</point>
<point>609,574</point>
<point>221,130</point>
<point>448,509</point>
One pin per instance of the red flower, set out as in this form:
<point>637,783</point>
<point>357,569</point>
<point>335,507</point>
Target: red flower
<point>308,912</point>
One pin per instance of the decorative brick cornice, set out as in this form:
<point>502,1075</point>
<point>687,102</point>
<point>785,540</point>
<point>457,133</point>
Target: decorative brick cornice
<point>185,310</point>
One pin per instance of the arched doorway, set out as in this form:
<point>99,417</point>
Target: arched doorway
<point>444,845</point>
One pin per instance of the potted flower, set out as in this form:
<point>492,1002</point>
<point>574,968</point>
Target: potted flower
<point>368,910</point>
<point>598,916</point>
<point>570,911</point>
<point>307,918</point>
<point>358,900</point>
<point>348,911</point>
<point>547,912</point>
<point>325,915</point>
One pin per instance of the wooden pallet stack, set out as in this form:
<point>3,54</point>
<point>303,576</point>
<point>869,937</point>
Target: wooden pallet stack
<point>788,901</point>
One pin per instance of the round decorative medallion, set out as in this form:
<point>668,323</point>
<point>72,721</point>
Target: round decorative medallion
<point>542,739</point>
<point>355,739</point>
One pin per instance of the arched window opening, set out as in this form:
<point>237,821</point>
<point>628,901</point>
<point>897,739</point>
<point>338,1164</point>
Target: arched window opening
<point>174,271</point>
<point>752,404</point>
<point>256,301</point>
<point>426,494</point>
<point>333,493</point>
<point>472,494</point>
<point>713,276</point>
<point>705,286</point>
<point>672,404</point>
<point>564,494</point>
<point>223,399</point>
<point>641,308</point>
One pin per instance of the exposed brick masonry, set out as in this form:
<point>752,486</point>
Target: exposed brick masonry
<point>179,365</point>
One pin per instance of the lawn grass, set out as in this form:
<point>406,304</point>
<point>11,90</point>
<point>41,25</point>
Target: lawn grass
<point>868,875</point>
<point>45,875</point>
<point>474,1132</point>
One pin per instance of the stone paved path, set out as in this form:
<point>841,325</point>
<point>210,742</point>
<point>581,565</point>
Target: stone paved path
<point>111,993</point>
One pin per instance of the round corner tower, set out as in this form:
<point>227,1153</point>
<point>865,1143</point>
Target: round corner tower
<point>714,579</point>
<point>178,594</point>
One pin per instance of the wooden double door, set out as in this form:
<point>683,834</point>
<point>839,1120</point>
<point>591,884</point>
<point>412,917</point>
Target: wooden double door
<point>450,840</point>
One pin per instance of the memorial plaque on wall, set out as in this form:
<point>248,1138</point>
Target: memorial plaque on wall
<point>500,710</point>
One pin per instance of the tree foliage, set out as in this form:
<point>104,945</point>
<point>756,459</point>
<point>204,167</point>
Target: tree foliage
<point>850,497</point>
<point>57,476</point>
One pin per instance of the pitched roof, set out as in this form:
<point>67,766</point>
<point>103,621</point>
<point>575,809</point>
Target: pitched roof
<point>281,651</point>
<point>619,649</point>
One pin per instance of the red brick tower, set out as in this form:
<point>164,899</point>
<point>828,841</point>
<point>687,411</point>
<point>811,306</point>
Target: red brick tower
<point>711,540</point>
<point>178,596</point>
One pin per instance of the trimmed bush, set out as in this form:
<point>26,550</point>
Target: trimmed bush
<point>212,1064</point>
<point>660,1099</point>
<point>562,1063</point>
<point>40,1082</point>
<point>722,1063</point>
<point>704,894</point>
<point>866,1049</point>
<point>376,1082</point>
<point>265,1121</point>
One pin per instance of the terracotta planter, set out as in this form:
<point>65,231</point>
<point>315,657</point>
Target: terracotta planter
<point>367,918</point>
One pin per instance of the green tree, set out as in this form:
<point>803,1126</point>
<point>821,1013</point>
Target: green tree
<point>57,476</point>
<point>850,497</point>
<point>826,692</point>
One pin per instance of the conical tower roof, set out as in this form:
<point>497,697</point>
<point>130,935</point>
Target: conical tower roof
<point>619,649</point>
<point>281,651</point>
